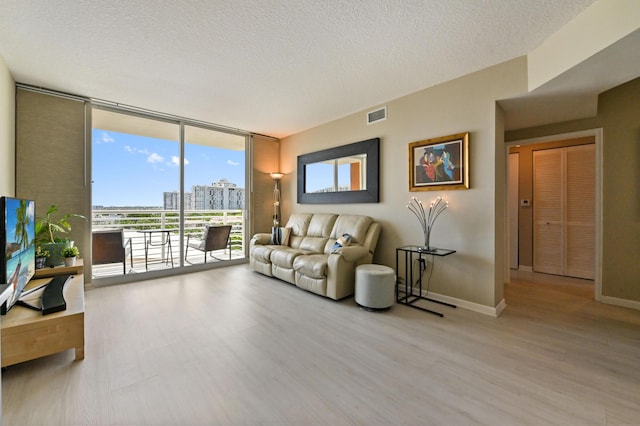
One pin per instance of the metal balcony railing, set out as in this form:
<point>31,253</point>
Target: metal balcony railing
<point>158,255</point>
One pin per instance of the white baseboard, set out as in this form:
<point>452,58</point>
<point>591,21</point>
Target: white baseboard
<point>501,306</point>
<point>525,268</point>
<point>465,304</point>
<point>625,303</point>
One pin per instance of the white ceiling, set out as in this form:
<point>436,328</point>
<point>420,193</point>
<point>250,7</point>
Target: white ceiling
<point>266,66</point>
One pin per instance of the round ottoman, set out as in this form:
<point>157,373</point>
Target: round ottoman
<point>375,287</point>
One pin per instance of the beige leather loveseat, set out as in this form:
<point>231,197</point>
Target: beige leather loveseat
<point>310,259</point>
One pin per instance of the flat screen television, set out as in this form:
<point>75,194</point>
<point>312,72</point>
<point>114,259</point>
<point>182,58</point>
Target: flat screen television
<point>17,239</point>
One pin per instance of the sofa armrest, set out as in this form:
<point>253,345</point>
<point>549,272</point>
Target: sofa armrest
<point>341,270</point>
<point>260,239</point>
<point>353,253</point>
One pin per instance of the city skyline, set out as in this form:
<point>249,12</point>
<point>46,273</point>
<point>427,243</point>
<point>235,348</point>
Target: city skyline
<point>148,167</point>
<point>221,195</point>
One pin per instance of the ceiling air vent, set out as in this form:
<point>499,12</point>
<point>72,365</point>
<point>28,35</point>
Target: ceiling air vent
<point>377,115</point>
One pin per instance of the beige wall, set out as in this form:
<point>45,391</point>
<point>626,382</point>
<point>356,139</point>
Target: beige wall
<point>265,160</point>
<point>600,25</point>
<point>473,274</point>
<point>7,131</point>
<point>619,112</point>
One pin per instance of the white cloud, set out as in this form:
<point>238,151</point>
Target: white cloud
<point>143,151</point>
<point>155,158</point>
<point>106,138</point>
<point>175,161</point>
<point>232,163</point>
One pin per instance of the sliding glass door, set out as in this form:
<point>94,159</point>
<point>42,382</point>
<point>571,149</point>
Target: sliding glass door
<point>164,187</point>
<point>214,195</point>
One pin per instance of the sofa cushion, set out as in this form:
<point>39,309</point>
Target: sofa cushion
<point>299,223</point>
<point>313,244</point>
<point>355,225</point>
<point>343,241</point>
<point>283,256</point>
<point>318,233</point>
<point>321,225</point>
<point>280,236</point>
<point>311,265</point>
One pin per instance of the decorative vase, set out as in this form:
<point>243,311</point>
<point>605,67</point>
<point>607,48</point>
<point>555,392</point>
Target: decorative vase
<point>69,261</point>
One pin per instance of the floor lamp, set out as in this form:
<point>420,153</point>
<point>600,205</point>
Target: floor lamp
<point>276,198</point>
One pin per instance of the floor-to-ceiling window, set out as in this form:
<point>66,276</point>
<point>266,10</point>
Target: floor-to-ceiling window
<point>214,194</point>
<point>163,184</point>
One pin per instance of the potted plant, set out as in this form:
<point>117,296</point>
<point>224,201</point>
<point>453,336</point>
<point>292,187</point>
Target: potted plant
<point>41,257</point>
<point>69,254</point>
<point>49,231</point>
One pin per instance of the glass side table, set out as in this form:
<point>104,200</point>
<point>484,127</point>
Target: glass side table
<point>412,292</point>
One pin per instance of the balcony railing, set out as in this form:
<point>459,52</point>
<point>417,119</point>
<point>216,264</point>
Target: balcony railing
<point>158,256</point>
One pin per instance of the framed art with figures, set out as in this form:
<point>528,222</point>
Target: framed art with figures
<point>439,163</point>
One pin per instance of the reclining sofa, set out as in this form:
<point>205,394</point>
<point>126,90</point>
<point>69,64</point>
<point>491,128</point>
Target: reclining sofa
<point>310,257</point>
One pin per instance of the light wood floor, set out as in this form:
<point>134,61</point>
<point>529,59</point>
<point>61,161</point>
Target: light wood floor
<point>230,346</point>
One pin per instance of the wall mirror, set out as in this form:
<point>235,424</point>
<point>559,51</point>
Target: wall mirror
<point>344,174</point>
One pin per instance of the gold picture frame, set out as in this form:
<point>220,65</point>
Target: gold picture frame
<point>439,163</point>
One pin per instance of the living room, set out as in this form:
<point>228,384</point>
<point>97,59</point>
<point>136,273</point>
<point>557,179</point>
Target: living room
<point>485,103</point>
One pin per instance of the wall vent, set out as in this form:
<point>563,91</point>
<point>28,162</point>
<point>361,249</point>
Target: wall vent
<point>378,115</point>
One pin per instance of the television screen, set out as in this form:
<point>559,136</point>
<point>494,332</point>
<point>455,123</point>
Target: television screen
<point>18,241</point>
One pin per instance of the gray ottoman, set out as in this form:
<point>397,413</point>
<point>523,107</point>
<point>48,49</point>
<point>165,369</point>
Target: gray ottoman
<point>375,287</point>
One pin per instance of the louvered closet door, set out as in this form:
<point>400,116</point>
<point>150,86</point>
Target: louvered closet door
<point>581,210</point>
<point>564,211</point>
<point>548,176</point>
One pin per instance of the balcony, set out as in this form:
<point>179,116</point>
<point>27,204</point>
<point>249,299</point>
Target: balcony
<point>159,256</point>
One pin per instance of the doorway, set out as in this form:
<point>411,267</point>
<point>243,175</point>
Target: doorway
<point>525,208</point>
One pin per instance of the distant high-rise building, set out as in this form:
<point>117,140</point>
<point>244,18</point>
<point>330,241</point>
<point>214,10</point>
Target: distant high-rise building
<point>221,195</point>
<point>171,200</point>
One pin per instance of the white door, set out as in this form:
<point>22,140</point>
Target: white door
<point>564,211</point>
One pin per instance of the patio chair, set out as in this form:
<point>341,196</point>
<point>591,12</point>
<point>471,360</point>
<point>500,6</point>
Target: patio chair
<point>213,238</point>
<point>109,246</point>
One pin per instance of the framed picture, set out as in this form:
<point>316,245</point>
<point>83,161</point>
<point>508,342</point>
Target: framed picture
<point>439,163</point>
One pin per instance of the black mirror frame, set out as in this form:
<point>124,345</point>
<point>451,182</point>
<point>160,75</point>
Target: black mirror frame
<point>370,147</point>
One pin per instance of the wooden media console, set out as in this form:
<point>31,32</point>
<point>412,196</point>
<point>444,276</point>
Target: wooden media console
<point>27,334</point>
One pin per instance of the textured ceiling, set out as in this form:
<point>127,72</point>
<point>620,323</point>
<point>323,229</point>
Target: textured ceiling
<point>271,67</point>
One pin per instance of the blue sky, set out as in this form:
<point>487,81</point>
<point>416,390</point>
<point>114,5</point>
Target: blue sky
<point>320,176</point>
<point>130,170</point>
